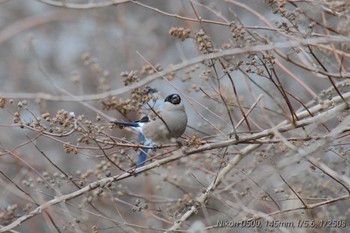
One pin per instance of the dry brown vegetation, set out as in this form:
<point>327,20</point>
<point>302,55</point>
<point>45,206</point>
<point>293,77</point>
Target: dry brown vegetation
<point>265,85</point>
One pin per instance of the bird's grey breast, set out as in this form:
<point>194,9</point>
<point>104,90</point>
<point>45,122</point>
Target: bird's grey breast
<point>168,125</point>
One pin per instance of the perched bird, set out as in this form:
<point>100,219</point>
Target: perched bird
<point>163,127</point>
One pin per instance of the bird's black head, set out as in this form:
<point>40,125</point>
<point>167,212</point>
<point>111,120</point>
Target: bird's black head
<point>173,98</point>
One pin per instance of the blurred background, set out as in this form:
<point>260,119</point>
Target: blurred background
<point>111,54</point>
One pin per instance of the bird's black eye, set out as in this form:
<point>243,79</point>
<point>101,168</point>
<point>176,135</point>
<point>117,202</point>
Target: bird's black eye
<point>174,99</point>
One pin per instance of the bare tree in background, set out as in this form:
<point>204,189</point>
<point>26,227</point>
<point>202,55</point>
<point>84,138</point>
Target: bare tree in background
<point>265,86</point>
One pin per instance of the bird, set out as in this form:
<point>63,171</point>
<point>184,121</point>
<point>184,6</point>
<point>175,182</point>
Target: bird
<point>158,128</point>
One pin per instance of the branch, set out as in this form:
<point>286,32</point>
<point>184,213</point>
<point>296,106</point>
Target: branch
<point>329,113</point>
<point>182,65</point>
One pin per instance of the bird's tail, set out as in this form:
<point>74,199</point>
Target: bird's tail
<point>129,124</point>
<point>135,124</point>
